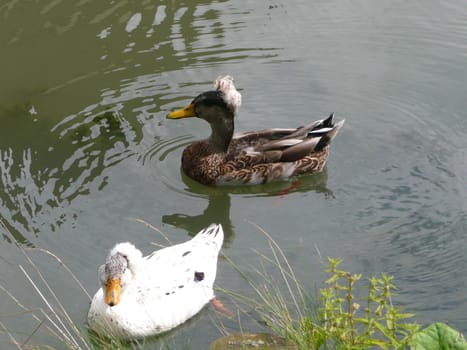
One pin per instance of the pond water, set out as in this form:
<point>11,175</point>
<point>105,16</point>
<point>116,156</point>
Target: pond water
<point>85,149</point>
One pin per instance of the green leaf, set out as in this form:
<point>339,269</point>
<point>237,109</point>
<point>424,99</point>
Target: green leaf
<point>438,336</point>
<point>386,332</point>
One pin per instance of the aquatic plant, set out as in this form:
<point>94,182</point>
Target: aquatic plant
<point>342,323</point>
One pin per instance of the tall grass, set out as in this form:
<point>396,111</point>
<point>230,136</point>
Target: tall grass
<point>279,298</point>
<point>51,317</point>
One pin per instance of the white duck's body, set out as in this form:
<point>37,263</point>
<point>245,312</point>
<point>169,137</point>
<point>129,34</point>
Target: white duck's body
<point>144,296</point>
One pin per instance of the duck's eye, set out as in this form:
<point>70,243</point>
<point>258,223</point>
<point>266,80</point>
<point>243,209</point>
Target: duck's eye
<point>124,256</point>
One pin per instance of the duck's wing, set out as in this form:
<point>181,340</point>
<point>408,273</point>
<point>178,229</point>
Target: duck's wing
<point>285,145</point>
<point>250,137</point>
<point>263,156</point>
<point>189,265</point>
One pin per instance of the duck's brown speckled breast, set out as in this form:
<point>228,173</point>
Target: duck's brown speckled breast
<point>201,164</point>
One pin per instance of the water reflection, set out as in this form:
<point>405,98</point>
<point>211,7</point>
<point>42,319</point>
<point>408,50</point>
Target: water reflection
<point>92,110</point>
<point>219,200</point>
<point>39,184</point>
<point>218,208</point>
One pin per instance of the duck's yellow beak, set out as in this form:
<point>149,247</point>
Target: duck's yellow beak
<point>112,292</point>
<point>187,112</point>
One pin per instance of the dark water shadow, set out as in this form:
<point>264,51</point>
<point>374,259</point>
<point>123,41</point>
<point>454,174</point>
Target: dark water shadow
<point>218,207</point>
<point>219,200</point>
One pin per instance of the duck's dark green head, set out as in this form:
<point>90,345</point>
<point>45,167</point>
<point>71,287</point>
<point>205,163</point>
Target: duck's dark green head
<point>210,105</point>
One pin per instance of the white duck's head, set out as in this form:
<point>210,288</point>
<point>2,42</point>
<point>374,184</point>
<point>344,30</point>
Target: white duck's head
<point>119,269</point>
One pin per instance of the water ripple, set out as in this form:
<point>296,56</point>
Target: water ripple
<point>415,220</point>
<point>162,161</point>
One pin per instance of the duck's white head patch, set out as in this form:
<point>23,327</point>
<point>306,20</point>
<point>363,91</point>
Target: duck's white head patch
<point>232,97</point>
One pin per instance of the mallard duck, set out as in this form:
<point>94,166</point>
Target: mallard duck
<point>143,296</point>
<point>254,157</point>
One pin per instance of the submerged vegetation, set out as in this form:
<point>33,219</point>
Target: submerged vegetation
<point>333,318</point>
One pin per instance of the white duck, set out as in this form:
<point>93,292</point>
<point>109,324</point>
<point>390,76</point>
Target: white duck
<point>143,296</point>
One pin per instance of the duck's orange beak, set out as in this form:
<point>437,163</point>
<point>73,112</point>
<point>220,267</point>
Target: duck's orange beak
<point>112,291</point>
<point>187,112</point>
